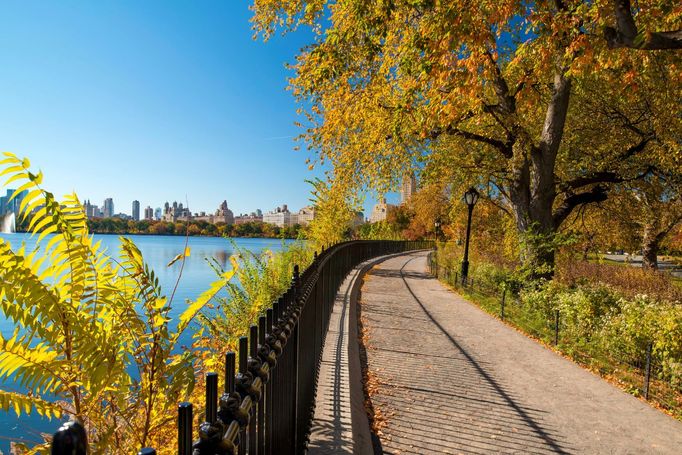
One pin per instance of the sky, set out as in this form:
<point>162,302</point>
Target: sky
<point>154,101</point>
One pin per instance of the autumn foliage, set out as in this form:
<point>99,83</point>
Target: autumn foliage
<point>531,101</point>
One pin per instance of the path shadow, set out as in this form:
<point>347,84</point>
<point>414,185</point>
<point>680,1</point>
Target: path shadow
<point>444,400</point>
<point>389,273</point>
<point>329,437</point>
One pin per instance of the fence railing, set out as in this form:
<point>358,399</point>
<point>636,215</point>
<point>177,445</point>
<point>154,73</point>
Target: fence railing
<point>267,402</point>
<point>639,369</point>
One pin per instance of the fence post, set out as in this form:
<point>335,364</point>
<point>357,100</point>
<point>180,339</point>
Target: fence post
<point>243,358</point>
<point>211,397</point>
<point>296,286</point>
<point>262,327</point>
<point>253,356</point>
<point>504,297</point>
<point>556,327</point>
<point>647,373</point>
<point>70,438</point>
<point>185,428</point>
<point>269,399</point>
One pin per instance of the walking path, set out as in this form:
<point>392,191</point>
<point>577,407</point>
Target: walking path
<point>453,379</point>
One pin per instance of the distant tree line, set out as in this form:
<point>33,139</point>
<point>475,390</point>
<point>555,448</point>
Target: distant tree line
<point>193,228</point>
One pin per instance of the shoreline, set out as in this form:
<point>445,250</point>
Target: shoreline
<point>175,235</point>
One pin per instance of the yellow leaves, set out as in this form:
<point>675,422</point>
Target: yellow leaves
<point>159,303</point>
<point>205,297</point>
<point>20,403</point>
<point>32,367</point>
<point>159,320</point>
<point>87,321</point>
<point>15,177</point>
<point>179,256</point>
<point>11,158</point>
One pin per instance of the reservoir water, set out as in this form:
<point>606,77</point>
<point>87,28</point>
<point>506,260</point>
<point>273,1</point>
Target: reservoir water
<point>157,252</point>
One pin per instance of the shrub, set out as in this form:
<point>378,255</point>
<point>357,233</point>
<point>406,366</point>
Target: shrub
<point>629,281</point>
<point>628,331</point>
<point>261,279</point>
<point>606,321</point>
<point>93,336</point>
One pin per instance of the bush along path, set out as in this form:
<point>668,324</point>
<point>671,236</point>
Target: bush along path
<point>449,378</point>
<point>631,335</point>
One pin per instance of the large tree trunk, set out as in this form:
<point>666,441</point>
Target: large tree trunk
<point>536,229</point>
<point>533,188</point>
<point>650,247</point>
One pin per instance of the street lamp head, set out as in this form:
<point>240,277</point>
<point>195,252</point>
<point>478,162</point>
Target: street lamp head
<point>471,197</point>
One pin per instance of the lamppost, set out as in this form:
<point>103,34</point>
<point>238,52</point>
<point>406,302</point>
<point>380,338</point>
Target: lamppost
<point>470,198</point>
<point>437,229</point>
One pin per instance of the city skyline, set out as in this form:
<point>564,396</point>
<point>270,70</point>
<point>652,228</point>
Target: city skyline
<point>142,213</point>
<point>159,104</point>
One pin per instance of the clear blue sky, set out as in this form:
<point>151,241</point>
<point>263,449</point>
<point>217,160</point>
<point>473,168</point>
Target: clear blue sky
<point>153,100</point>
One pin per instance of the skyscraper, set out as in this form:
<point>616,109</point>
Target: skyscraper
<point>108,210</point>
<point>408,187</point>
<point>158,213</point>
<point>148,213</point>
<point>4,202</point>
<point>136,210</point>
<point>14,205</point>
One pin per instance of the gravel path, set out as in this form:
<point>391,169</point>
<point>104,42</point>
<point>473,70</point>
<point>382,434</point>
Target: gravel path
<point>453,379</point>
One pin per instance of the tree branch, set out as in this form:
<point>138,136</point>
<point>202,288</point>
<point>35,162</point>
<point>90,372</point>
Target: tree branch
<point>506,101</point>
<point>597,177</point>
<point>609,176</point>
<point>665,231</point>
<point>626,34</point>
<point>597,194</point>
<point>555,118</point>
<point>635,149</point>
<point>504,148</point>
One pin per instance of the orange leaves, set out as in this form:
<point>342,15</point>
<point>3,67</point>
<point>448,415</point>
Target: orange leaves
<point>389,78</point>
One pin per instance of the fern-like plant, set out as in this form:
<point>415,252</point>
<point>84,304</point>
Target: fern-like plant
<point>260,279</point>
<point>94,340</point>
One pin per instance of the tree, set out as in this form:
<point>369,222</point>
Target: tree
<point>658,214</point>
<point>193,229</point>
<point>626,34</point>
<point>487,84</point>
<point>334,212</point>
<point>640,215</point>
<point>607,226</point>
<point>430,205</point>
<point>400,216</point>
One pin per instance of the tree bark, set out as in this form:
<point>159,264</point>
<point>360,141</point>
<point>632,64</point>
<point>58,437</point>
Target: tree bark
<point>533,187</point>
<point>650,247</point>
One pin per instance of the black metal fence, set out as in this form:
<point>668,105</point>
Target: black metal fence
<point>636,367</point>
<point>267,402</point>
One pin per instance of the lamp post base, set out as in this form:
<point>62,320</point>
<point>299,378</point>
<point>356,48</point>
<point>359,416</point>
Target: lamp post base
<point>465,272</point>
